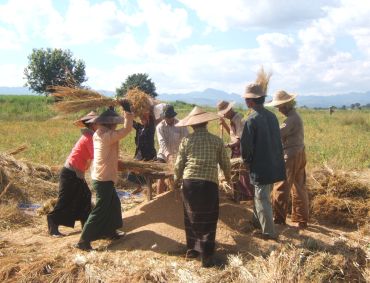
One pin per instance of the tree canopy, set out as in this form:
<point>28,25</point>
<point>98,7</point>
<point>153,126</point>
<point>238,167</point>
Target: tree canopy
<point>53,67</point>
<point>139,80</point>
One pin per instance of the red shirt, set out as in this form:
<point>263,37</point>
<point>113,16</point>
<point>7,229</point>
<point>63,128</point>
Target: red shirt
<point>83,152</point>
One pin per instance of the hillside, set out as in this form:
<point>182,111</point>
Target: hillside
<point>210,97</point>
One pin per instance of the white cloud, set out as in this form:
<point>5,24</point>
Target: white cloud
<point>223,15</point>
<point>166,27</point>
<point>9,40</point>
<point>86,23</point>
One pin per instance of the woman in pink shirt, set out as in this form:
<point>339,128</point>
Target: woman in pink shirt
<point>74,200</point>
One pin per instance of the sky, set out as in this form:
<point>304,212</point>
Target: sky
<point>319,47</point>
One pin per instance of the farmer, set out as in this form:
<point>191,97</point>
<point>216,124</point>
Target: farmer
<point>169,138</point>
<point>292,136</point>
<point>144,141</point>
<point>106,217</point>
<point>197,162</point>
<point>243,190</point>
<point>74,200</point>
<point>262,151</point>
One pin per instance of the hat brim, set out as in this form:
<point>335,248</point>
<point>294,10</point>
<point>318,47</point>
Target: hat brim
<point>252,95</point>
<point>81,122</point>
<point>107,120</point>
<point>197,119</point>
<point>275,103</point>
<point>172,115</point>
<point>227,109</point>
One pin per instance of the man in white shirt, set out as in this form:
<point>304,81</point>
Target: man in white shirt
<point>169,138</point>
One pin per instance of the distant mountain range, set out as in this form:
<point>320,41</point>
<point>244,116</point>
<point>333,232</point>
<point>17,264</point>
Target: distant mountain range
<point>210,97</point>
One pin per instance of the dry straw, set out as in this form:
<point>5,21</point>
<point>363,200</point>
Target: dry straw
<point>263,79</point>
<point>338,199</point>
<point>140,102</point>
<point>72,100</point>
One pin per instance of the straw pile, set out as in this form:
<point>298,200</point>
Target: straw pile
<point>338,199</point>
<point>22,182</point>
<point>140,102</point>
<point>128,164</point>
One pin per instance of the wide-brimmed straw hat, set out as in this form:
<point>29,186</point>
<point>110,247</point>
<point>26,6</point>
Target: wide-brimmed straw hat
<point>281,97</point>
<point>107,117</point>
<point>197,116</point>
<point>81,122</point>
<point>254,91</point>
<point>223,107</point>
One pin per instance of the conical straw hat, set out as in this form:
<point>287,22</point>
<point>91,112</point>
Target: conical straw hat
<point>89,116</point>
<point>107,117</point>
<point>197,116</point>
<point>281,97</point>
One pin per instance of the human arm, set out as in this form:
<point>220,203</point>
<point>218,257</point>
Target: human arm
<point>180,162</point>
<point>224,162</point>
<point>117,135</point>
<point>162,140</point>
<point>246,141</point>
<point>224,125</point>
<point>286,128</point>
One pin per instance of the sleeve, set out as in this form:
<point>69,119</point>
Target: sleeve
<point>184,132</point>
<point>180,161</point>
<point>246,141</point>
<point>240,127</point>
<point>116,135</point>
<point>224,162</point>
<point>162,140</point>
<point>286,128</point>
<point>90,146</point>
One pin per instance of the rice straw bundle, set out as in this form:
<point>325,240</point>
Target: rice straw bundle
<point>143,167</point>
<point>71,100</point>
<point>140,102</point>
<point>263,79</point>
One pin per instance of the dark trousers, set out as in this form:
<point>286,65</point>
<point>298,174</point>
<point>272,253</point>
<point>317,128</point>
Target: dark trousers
<point>201,210</point>
<point>74,200</point>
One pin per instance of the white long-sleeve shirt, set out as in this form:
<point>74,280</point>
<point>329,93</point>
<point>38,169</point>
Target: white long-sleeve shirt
<point>169,138</point>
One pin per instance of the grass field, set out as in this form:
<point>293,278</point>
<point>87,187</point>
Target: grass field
<point>341,140</point>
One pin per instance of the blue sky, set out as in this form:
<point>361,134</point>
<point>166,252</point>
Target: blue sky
<point>312,47</point>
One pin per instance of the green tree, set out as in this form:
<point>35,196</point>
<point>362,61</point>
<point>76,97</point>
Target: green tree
<point>53,67</point>
<point>140,80</point>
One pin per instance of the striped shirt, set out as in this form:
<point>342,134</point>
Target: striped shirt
<point>199,155</point>
<point>169,139</point>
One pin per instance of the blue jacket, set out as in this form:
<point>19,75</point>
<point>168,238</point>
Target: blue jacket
<point>262,149</point>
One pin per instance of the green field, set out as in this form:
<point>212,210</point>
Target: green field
<point>341,140</point>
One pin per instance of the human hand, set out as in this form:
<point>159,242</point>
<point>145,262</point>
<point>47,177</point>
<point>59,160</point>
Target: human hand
<point>125,105</point>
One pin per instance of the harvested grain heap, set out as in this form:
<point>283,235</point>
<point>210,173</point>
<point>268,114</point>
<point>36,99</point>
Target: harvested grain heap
<point>338,199</point>
<point>23,182</point>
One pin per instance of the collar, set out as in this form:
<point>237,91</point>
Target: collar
<point>200,130</point>
<point>87,131</point>
<point>164,121</point>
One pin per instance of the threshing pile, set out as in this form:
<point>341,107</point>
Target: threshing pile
<point>23,182</point>
<point>338,198</point>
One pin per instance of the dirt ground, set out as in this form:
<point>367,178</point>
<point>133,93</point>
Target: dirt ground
<point>153,249</point>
